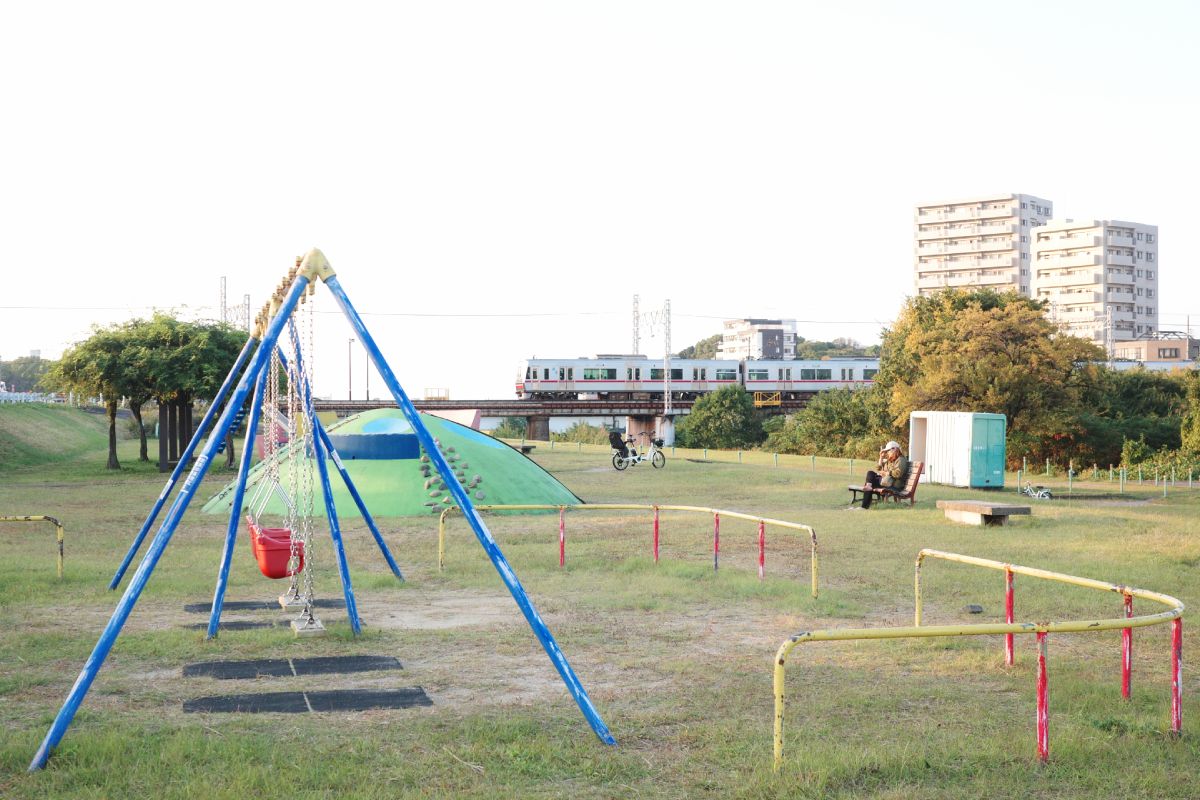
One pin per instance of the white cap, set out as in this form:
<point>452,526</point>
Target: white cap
<point>891,446</point>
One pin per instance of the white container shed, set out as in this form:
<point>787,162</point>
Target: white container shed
<point>959,448</point>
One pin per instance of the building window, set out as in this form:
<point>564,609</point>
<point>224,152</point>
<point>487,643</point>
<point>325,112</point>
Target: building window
<point>1149,256</point>
<point>1024,204</point>
<point>1149,237</point>
<point>1139,255</point>
<point>1150,274</point>
<point>1168,352</point>
<point>1149,293</point>
<point>1139,236</point>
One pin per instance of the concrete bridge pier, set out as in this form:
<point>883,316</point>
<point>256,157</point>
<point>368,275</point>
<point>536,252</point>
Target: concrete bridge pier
<point>654,426</point>
<point>537,428</point>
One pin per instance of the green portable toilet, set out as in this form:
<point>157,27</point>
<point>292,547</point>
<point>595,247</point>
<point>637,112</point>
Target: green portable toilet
<point>959,448</point>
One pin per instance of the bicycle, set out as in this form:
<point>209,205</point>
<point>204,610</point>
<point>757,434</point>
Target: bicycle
<point>1037,492</point>
<point>627,455</point>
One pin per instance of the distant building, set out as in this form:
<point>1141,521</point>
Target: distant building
<point>1100,278</point>
<point>977,242</point>
<point>758,338</point>
<point>1159,346</point>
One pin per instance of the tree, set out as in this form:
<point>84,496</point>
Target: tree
<point>703,349</point>
<point>95,367</point>
<point>724,419</point>
<point>582,432</point>
<point>23,374</point>
<point>162,359</point>
<point>989,351</point>
<point>511,428</point>
<point>1190,427</point>
<point>847,423</point>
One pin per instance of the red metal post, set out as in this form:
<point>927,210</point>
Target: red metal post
<point>1008,616</point>
<point>1127,650</point>
<point>656,534</point>
<point>562,537</point>
<point>1043,713</point>
<point>1177,676</point>
<point>762,547</point>
<point>716,540</point>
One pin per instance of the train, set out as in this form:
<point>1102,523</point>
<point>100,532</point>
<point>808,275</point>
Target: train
<point>636,377</point>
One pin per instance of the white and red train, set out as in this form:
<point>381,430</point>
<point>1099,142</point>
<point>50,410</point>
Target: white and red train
<point>618,377</point>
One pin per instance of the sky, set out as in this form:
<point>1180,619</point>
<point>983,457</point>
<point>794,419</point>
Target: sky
<point>496,180</point>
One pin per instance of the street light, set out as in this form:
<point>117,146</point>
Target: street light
<point>349,371</point>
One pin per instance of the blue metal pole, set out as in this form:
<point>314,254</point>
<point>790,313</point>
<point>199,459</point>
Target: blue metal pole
<point>235,510</point>
<point>183,461</point>
<point>477,525</point>
<point>163,537</point>
<point>335,530</point>
<point>362,506</point>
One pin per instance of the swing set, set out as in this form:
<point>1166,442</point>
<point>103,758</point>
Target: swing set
<point>285,548</point>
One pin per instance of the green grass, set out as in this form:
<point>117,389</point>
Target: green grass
<point>677,659</point>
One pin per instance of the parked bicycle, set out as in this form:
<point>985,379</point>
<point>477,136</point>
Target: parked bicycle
<point>625,452</point>
<point>1038,492</point>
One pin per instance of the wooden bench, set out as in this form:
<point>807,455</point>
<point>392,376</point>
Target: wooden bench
<point>979,512</point>
<point>909,492</point>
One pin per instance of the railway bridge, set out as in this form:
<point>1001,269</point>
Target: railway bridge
<point>645,414</point>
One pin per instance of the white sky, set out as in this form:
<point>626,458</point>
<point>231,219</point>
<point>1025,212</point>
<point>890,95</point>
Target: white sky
<point>475,158</point>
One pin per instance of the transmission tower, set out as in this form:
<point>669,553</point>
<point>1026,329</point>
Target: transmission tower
<point>224,310</point>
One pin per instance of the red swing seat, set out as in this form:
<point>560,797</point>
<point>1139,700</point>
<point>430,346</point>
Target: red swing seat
<point>273,549</point>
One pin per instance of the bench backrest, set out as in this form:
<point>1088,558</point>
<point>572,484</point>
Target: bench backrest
<point>914,477</point>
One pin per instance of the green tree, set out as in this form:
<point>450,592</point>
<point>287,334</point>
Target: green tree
<point>1190,427</point>
<point>989,351</point>
<point>703,349</point>
<point>724,419</point>
<point>95,367</point>
<point>511,428</point>
<point>582,432</point>
<point>23,374</point>
<point>848,423</point>
<point>162,359</point>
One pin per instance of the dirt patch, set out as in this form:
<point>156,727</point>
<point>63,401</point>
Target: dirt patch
<point>441,609</point>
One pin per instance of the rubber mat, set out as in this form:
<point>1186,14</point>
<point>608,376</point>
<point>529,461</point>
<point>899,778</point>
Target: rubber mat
<point>256,605</point>
<point>300,702</point>
<point>284,667</point>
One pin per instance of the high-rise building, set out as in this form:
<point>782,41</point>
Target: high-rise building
<point>1100,278</point>
<point>977,242</point>
<point>758,338</point>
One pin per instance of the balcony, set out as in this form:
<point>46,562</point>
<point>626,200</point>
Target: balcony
<point>1055,261</point>
<point>958,281</point>
<point>1059,279</point>
<point>960,231</point>
<point>956,248</point>
<point>1120,261</point>
<point>1120,241</point>
<point>1118,277</point>
<point>969,213</point>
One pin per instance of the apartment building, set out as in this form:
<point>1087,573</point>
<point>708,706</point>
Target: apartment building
<point>978,242</point>
<point>1100,278</point>
<point>758,338</point>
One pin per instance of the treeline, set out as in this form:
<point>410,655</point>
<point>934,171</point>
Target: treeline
<point>24,374</point>
<point>983,351</point>
<point>160,359</point>
<point>997,352</point>
<point>838,348</point>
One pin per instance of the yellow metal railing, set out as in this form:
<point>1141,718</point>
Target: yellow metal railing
<point>1173,614</point>
<point>765,399</point>
<point>42,518</point>
<point>716,513</point>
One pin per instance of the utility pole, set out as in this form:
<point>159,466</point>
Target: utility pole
<point>667,360</point>
<point>637,321</point>
<point>224,310</point>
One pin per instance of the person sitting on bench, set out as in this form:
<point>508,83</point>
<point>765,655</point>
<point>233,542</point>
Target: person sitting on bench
<point>889,473</point>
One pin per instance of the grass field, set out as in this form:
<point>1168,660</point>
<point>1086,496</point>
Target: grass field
<point>677,659</point>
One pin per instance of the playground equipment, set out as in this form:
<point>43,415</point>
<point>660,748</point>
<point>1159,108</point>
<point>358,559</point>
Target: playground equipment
<point>716,513</point>
<point>42,518</point>
<point>1126,624</point>
<point>260,348</point>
